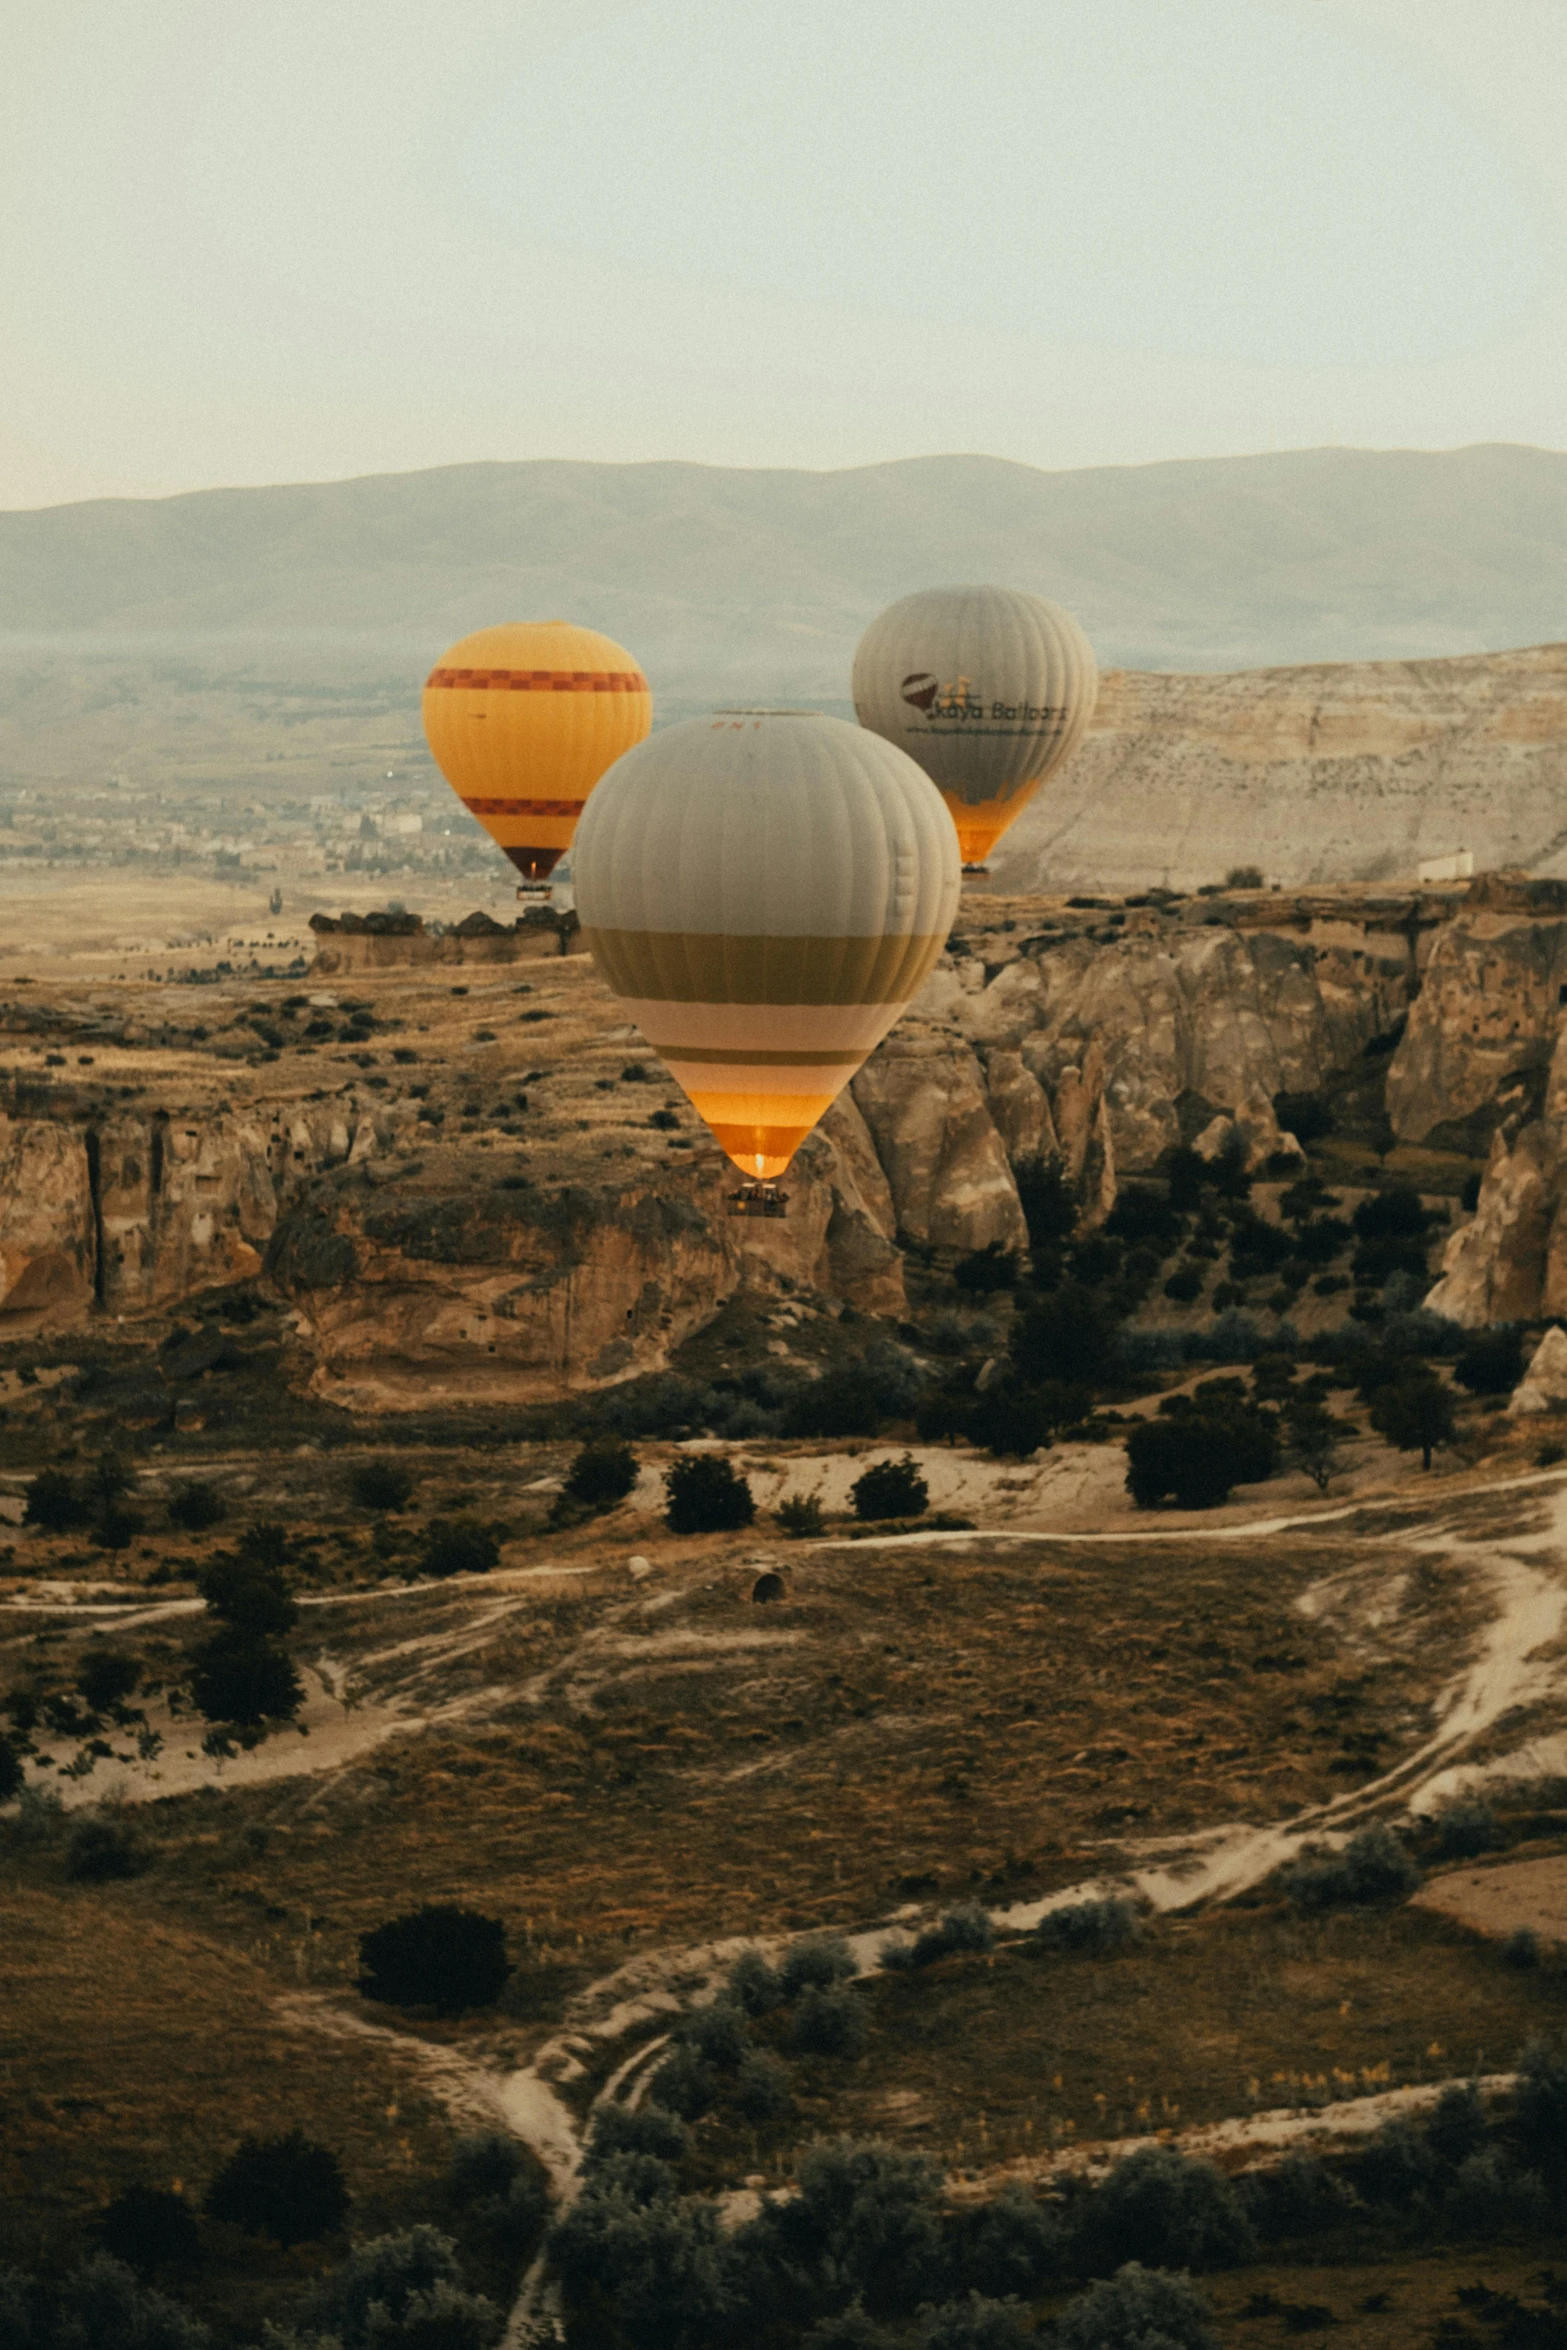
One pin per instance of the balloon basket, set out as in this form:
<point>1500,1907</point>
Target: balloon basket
<point>759,1199</point>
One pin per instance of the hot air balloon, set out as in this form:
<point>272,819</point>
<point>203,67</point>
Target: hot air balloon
<point>764,890</point>
<point>523,720</point>
<point>988,688</point>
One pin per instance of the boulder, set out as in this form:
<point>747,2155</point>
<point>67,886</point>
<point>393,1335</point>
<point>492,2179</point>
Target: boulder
<point>1494,1267</point>
<point>951,1185</point>
<point>1543,1387</point>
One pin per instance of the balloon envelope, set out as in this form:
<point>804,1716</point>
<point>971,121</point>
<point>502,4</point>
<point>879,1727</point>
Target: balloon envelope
<point>988,688</point>
<point>523,720</point>
<point>764,891</point>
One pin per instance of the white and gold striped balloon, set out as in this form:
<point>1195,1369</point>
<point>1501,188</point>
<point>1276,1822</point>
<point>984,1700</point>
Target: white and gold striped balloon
<point>764,891</point>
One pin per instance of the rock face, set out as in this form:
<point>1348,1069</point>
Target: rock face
<point>1485,1018</point>
<point>1356,770</point>
<point>48,1237</point>
<point>947,1170</point>
<point>1543,1387</point>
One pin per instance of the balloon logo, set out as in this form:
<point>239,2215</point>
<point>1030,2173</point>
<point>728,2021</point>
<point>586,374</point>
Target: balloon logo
<point>988,688</point>
<point>764,891</point>
<point>523,720</point>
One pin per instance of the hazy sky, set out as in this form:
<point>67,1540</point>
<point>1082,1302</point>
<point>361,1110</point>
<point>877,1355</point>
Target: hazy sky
<point>297,239</point>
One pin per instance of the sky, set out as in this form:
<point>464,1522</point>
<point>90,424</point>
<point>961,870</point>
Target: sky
<point>308,239</point>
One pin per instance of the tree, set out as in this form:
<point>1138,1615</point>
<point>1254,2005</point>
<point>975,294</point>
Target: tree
<point>288,2188</point>
<point>985,1270</point>
<point>1195,1456</point>
<point>1067,1337</point>
<point>12,1776</point>
<point>1012,1421</point>
<point>403,2292</point>
<point>107,1676</point>
<point>149,2228</point>
<point>381,1485</point>
<point>103,2307</point>
<point>845,1402</point>
<point>1313,1436</point>
<point>603,1473</point>
<point>800,1516</point>
<point>1164,2207</point>
<point>246,1681</point>
<point>890,1489</point>
<point>1492,1363</point>
<point>977,2324</point>
<point>459,1546</point>
<point>1137,2309</point>
<point>1392,1228</point>
<point>439,1956</point>
<point>55,1503</point>
<point>1047,1200</point>
<point>100,1850</point>
<point>1415,1413</point>
<point>706,1496</point>
<point>193,1508</point>
<point>249,1598</point>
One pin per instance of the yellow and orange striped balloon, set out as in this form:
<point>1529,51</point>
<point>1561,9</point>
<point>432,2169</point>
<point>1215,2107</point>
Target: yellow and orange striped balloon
<point>523,720</point>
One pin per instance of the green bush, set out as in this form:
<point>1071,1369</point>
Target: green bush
<point>458,1546</point>
<point>845,1402</point>
<point>966,1928</point>
<point>404,2292</point>
<point>1048,1202</point>
<point>762,2086</point>
<point>1009,2245</point>
<point>149,2228</point>
<point>245,1681</point>
<point>1491,1364</point>
<point>602,1474</point>
<point>1184,1284</point>
<point>1067,1337</point>
<point>1137,2309</point>
<point>1372,1868</point>
<point>716,2033</point>
<point>816,1959</point>
<point>976,2324</point>
<point>287,2188</point>
<point>754,1985</point>
<point>13,1778</point>
<point>1464,1828</point>
<point>101,1849</point>
<point>650,2129</point>
<point>986,1270</point>
<point>890,1489</point>
<point>706,1496</point>
<point>101,2306</point>
<point>195,1507</point>
<point>1093,1928</point>
<point>1159,2206</point>
<point>1305,1115</point>
<point>868,2215</point>
<point>1540,2104</point>
<point>1299,2196</point>
<point>440,1956</point>
<point>1196,1455</point>
<point>55,1503</point>
<point>265,1544</point>
<point>684,2084</point>
<point>381,1485</point>
<point>801,1517</point>
<point>106,1677</point>
<point>249,1597</point>
<point>1415,1413</point>
<point>828,2023</point>
<point>1012,1422</point>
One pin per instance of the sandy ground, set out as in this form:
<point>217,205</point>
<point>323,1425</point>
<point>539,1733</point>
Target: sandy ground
<point>1498,1900</point>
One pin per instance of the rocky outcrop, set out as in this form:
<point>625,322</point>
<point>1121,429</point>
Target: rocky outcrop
<point>48,1237</point>
<point>1495,1267</point>
<point>1543,1387</point>
<point>1485,1019</point>
<point>1353,770</point>
<point>924,1104</point>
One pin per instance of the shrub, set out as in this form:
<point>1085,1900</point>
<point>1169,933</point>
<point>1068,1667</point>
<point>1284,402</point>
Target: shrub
<point>403,2292</point>
<point>717,2033</point>
<point>55,1502</point>
<point>103,2307</point>
<point>1244,877</point>
<point>850,2329</point>
<point>1490,2196</point>
<point>1136,2309</point>
<point>1067,1337</point>
<point>1521,1948</point>
<point>439,1956</point>
<point>501,2189</point>
<point>1372,1867</point>
<point>1305,1115</point>
<point>458,1546</point>
<point>890,1489</point>
<point>106,1677</point>
<point>12,1776</point>
<point>1184,1284</point>
<point>100,1850</point>
<point>265,1544</point>
<point>1047,1200</point>
<point>828,2023</point>
<point>1012,1422</point>
<point>819,1959</point>
<point>1009,2245</point>
<point>193,1508</point>
<point>754,1985</point>
<point>149,2228</point>
<point>1464,1828</point>
<point>1398,2167</point>
<point>1455,2127</point>
<point>1197,1455</point>
<point>684,2084</point>
<point>1540,2103</point>
<point>381,1485</point>
<point>1160,2206</point>
<point>249,1597</point>
<point>1089,1928</point>
<point>651,2129</point>
<point>1491,1364</point>
<point>800,1516</point>
<point>762,2086</point>
<point>976,2324</point>
<point>238,1679</point>
<point>846,1402</point>
<point>287,2188</point>
<point>706,1496</point>
<point>1415,1413</point>
<point>967,1928</point>
<point>662,2265</point>
<point>985,1270</point>
<point>602,1474</point>
<point>873,2214</point>
<point>1299,2196</point>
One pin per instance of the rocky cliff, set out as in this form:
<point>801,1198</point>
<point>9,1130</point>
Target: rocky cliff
<point>481,1182</point>
<point>1356,770</point>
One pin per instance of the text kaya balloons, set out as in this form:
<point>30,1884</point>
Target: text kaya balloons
<point>764,891</point>
<point>988,688</point>
<point>523,720</point>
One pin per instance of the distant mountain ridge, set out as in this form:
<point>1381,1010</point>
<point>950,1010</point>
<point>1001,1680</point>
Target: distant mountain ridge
<point>728,581</point>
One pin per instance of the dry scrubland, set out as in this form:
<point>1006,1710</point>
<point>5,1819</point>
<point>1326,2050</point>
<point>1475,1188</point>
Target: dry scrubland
<point>607,1743</point>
